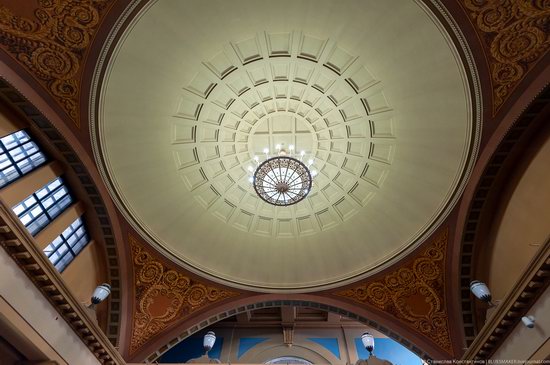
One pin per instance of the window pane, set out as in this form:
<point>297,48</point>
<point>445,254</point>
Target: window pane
<point>67,245</point>
<point>38,224</point>
<point>18,156</point>
<point>64,262</point>
<point>39,209</point>
<point>82,242</point>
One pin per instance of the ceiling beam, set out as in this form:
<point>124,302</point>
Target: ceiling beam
<point>243,317</point>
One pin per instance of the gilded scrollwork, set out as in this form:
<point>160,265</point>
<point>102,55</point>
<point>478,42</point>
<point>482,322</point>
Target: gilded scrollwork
<point>164,296</point>
<point>516,36</point>
<point>53,44</point>
<point>414,294</point>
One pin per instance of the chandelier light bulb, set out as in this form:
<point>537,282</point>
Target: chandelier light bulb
<point>250,168</point>
<point>302,153</point>
<point>313,173</point>
<point>266,150</point>
<point>256,158</point>
<point>251,179</point>
<point>310,162</point>
<point>291,147</point>
<point>278,147</point>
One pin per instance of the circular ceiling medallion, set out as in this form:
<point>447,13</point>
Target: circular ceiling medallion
<point>374,92</point>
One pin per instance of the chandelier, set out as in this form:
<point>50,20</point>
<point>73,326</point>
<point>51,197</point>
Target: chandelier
<point>282,180</point>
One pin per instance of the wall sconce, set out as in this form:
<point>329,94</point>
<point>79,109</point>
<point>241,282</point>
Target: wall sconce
<point>481,292</point>
<point>368,342</point>
<point>101,293</point>
<point>208,341</point>
<point>528,321</point>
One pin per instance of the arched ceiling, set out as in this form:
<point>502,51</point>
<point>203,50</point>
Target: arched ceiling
<point>374,91</point>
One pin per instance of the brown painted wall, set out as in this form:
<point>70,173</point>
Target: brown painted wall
<point>521,225</point>
<point>88,269</point>
<point>84,274</point>
<point>8,122</point>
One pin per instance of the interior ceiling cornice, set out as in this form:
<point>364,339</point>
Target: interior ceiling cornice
<point>493,25</point>
<point>217,120</point>
<point>97,200</point>
<point>514,37</point>
<point>52,45</point>
<point>413,293</point>
<point>521,136</point>
<point>165,295</point>
<point>410,297</point>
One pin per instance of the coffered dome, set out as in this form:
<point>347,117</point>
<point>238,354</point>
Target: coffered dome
<point>374,92</point>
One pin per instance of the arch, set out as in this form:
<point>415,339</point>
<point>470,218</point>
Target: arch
<point>381,322</point>
<point>523,119</point>
<point>296,355</point>
<point>52,130</point>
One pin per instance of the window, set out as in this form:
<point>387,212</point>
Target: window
<point>67,245</point>
<point>39,209</point>
<point>18,156</point>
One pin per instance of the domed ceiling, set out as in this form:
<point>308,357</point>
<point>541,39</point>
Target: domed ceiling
<point>374,92</point>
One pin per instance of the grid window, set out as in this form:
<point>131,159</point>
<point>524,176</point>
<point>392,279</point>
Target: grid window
<point>67,245</point>
<point>18,156</point>
<point>39,209</point>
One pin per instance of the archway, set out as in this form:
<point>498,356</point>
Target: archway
<point>381,322</point>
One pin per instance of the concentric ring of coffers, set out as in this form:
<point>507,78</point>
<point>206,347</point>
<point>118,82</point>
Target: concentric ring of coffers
<point>377,93</point>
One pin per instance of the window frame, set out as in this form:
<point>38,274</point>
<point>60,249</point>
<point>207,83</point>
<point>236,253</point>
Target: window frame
<point>64,242</point>
<point>4,150</point>
<point>39,202</point>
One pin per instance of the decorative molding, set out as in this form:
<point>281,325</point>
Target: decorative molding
<point>414,294</point>
<point>515,36</point>
<point>288,335</point>
<point>218,87</point>
<point>21,247</point>
<point>71,159</point>
<point>486,184</point>
<point>285,303</point>
<point>507,315</point>
<point>164,296</point>
<point>53,45</point>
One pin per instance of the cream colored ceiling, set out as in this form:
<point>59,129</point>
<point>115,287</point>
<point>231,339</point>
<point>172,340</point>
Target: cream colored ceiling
<point>372,90</point>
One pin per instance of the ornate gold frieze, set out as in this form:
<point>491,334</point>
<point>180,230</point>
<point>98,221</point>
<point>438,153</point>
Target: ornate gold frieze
<point>414,294</point>
<point>515,35</point>
<point>164,296</point>
<point>52,46</point>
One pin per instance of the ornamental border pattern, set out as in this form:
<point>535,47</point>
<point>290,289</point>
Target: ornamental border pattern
<point>423,277</point>
<point>153,279</point>
<point>53,45</point>
<point>515,38</point>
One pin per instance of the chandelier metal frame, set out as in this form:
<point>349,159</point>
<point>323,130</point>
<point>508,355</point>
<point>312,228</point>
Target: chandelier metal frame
<point>282,177</point>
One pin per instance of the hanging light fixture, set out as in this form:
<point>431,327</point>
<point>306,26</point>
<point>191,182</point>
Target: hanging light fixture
<point>368,342</point>
<point>208,341</point>
<point>282,180</point>
<point>101,293</point>
<point>481,292</point>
